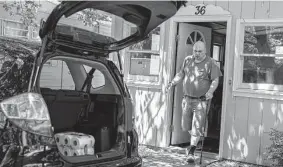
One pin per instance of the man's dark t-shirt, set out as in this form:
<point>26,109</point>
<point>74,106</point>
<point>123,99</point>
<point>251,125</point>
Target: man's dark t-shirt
<point>198,76</point>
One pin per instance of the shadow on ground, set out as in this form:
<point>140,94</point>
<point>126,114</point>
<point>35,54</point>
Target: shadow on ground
<point>156,157</point>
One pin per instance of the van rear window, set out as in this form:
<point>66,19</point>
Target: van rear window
<point>98,79</point>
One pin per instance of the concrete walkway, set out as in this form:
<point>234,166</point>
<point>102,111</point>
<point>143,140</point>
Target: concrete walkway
<point>171,157</point>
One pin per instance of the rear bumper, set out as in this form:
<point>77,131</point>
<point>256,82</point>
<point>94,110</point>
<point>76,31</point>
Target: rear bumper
<point>135,161</point>
<point>127,162</point>
<point>50,159</point>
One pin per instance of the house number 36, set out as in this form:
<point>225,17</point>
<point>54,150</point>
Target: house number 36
<point>200,10</point>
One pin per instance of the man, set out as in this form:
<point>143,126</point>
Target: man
<point>200,76</point>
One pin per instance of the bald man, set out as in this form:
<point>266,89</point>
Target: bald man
<point>200,76</point>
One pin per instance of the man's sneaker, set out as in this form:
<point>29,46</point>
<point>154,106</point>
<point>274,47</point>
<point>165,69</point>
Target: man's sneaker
<point>190,150</point>
<point>187,150</point>
<point>191,158</point>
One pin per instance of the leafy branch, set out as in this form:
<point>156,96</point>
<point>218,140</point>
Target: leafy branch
<point>91,17</point>
<point>27,10</point>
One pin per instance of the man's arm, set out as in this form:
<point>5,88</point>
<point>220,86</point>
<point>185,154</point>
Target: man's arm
<point>212,88</point>
<point>178,77</point>
<point>215,73</point>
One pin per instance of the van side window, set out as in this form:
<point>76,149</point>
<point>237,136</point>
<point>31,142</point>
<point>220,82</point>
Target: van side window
<point>98,79</point>
<point>55,74</point>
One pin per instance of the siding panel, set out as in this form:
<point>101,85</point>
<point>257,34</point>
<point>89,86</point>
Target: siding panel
<point>235,7</point>
<point>136,113</point>
<point>242,108</point>
<point>276,9</point>
<point>152,112</point>
<point>228,144</point>
<point>197,2</point>
<point>158,114</point>
<point>145,129</point>
<point>223,4</point>
<point>262,9</point>
<point>248,9</point>
<point>265,142</point>
<point>240,129</point>
<point>270,110</point>
<point>148,115</point>
<point>253,149</point>
<point>209,2</point>
<point>253,137</point>
<point>279,116</point>
<point>269,115</point>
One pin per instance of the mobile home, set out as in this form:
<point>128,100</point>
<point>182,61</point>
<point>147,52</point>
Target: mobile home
<point>246,40</point>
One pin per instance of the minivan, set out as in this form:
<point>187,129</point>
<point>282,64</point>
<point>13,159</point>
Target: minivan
<point>68,83</point>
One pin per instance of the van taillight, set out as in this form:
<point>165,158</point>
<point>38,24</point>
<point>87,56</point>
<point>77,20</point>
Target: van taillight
<point>29,112</point>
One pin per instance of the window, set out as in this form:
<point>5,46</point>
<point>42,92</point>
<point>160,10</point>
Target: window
<point>143,58</point>
<point>194,37</point>
<point>146,64</point>
<point>260,57</point>
<point>15,29</point>
<point>216,54</point>
<point>55,74</point>
<point>99,22</point>
<point>98,79</point>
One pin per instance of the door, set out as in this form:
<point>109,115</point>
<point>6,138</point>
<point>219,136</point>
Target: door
<point>188,35</point>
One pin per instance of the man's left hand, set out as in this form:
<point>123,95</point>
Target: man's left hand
<point>208,95</point>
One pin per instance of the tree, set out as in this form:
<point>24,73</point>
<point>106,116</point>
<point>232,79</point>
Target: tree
<point>27,10</point>
<point>92,17</point>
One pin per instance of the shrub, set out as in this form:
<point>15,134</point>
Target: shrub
<point>275,150</point>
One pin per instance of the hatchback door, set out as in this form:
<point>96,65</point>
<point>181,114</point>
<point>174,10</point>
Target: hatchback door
<point>145,15</point>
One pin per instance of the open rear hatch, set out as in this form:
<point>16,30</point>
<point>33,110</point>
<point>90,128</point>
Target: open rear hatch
<point>145,15</point>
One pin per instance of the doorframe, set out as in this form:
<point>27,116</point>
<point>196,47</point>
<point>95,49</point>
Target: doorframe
<point>172,55</point>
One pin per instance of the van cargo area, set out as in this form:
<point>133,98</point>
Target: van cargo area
<point>95,115</point>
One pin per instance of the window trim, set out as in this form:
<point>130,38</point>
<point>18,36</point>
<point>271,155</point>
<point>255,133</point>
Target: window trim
<point>251,89</point>
<point>145,81</point>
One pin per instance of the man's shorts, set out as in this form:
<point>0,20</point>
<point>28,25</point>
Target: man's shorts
<point>193,115</point>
